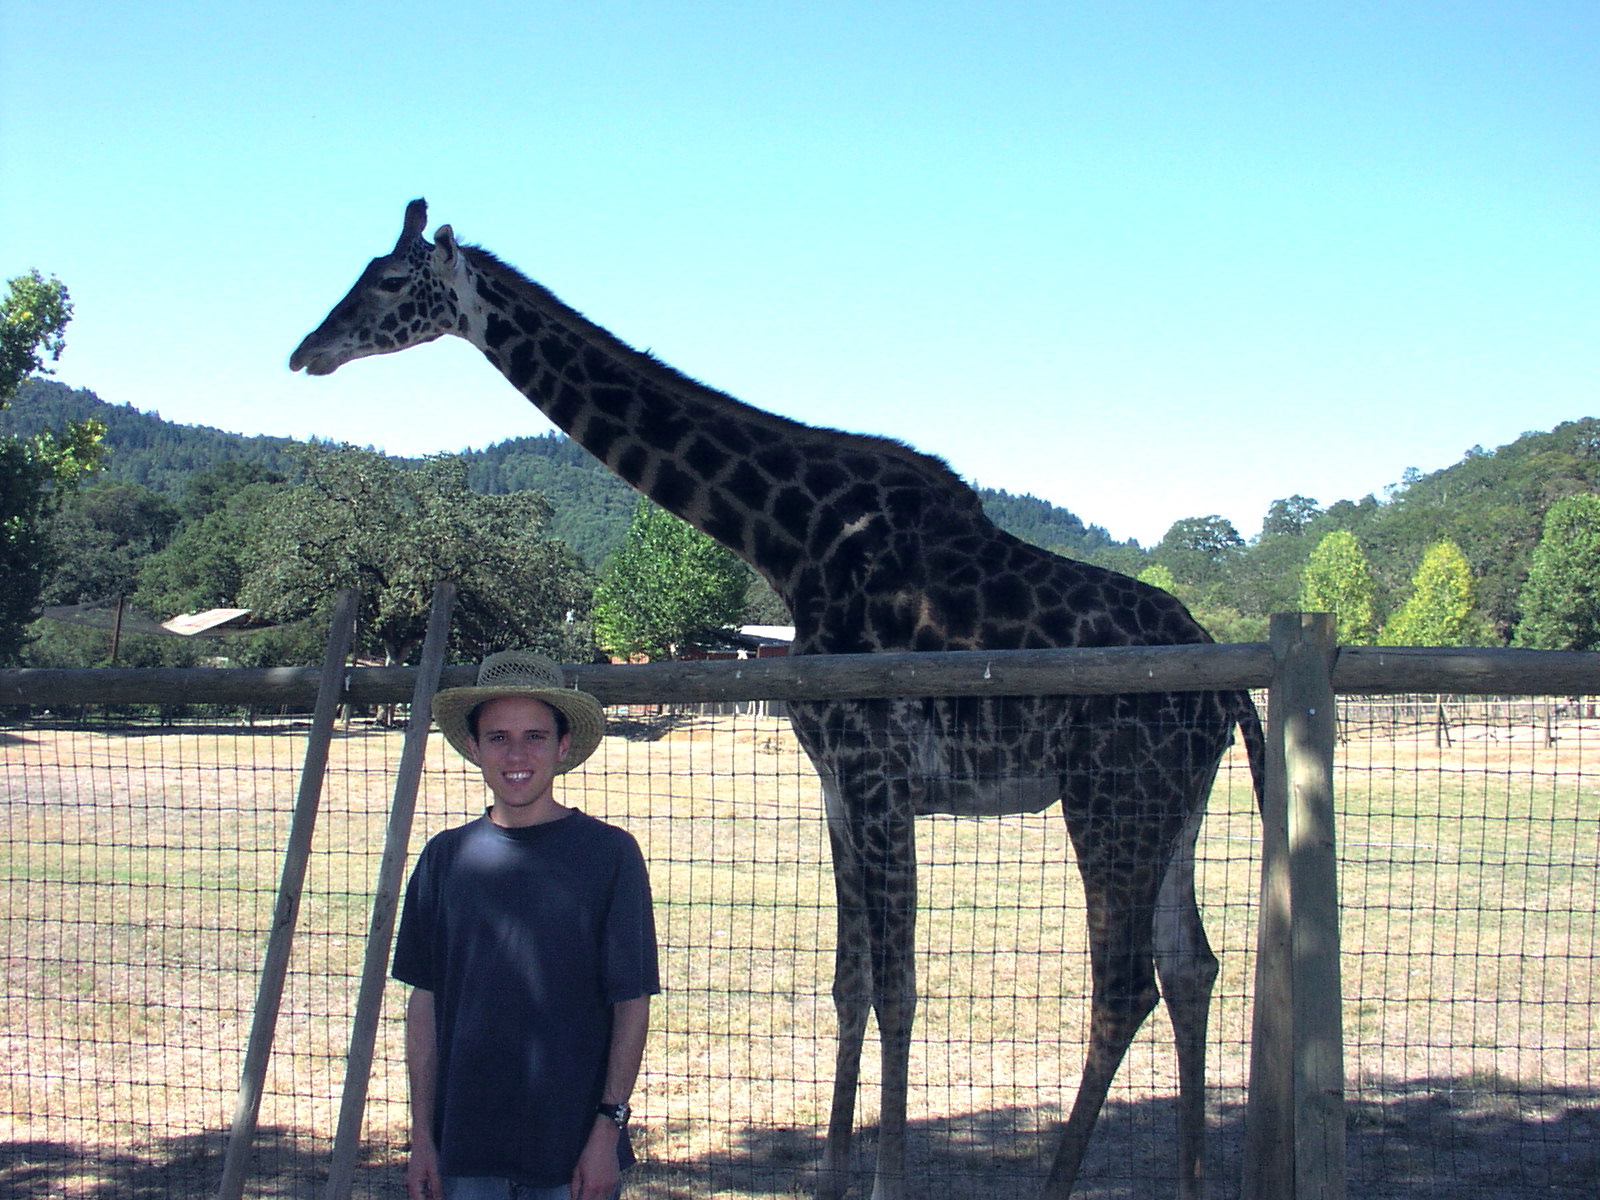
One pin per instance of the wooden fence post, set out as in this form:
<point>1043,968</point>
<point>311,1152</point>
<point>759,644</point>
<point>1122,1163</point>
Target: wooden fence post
<point>1294,1125</point>
<point>386,898</point>
<point>296,855</point>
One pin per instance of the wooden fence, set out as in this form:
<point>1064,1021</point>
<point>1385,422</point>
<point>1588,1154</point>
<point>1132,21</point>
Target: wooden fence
<point>1295,1131</point>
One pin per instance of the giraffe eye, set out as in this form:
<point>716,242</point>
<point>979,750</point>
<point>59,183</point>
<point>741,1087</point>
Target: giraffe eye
<point>393,285</point>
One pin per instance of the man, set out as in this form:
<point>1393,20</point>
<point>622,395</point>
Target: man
<point>529,942</point>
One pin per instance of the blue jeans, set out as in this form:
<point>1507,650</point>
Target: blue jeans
<point>489,1187</point>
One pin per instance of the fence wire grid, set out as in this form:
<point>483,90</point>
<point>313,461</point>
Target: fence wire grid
<point>141,862</point>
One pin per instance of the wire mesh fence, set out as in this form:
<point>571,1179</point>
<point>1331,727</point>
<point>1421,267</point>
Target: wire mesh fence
<point>140,864</point>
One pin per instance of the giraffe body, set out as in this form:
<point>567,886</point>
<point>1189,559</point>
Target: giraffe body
<point>876,547</point>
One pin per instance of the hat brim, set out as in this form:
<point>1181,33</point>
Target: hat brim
<point>586,723</point>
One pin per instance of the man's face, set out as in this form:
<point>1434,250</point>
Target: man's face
<point>517,749</point>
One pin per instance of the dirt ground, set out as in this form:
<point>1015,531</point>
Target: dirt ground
<point>141,867</point>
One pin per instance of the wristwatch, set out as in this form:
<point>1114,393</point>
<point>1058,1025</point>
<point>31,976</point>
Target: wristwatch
<point>617,1113</point>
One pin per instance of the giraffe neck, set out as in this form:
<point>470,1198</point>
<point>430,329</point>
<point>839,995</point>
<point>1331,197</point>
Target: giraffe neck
<point>760,484</point>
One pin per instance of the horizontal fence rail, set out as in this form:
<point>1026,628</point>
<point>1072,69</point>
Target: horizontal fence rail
<point>1468,856</point>
<point>1358,669</point>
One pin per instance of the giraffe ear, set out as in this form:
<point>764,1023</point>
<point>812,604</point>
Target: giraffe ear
<point>444,245</point>
<point>416,220</point>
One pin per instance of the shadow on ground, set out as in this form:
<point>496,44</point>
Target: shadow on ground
<point>285,1164</point>
<point>1444,1139</point>
<point>646,728</point>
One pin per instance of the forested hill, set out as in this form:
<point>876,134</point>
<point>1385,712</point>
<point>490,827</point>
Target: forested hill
<point>1488,511</point>
<point>592,506</point>
<point>142,448</point>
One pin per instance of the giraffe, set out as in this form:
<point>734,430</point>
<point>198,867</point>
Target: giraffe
<point>876,547</point>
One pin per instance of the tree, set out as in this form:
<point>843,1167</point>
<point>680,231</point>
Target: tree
<point>1157,575</point>
<point>205,563</point>
<point>33,324</point>
<point>1561,599</point>
<point>1439,610</point>
<point>1213,537</point>
<point>392,531</point>
<point>101,535</point>
<point>1199,550</point>
<point>1289,517</point>
<point>1337,579</point>
<point>218,486</point>
<point>762,605</point>
<point>665,584</point>
<point>35,472</point>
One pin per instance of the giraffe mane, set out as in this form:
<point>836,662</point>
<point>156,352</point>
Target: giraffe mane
<point>938,473</point>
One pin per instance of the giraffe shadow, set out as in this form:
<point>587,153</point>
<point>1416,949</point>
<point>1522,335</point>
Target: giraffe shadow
<point>1421,1139</point>
<point>1480,1137</point>
<point>650,727</point>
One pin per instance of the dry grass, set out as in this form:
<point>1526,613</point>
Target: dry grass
<point>139,875</point>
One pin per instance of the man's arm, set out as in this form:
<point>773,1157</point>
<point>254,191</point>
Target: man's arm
<point>422,1067</point>
<point>597,1175</point>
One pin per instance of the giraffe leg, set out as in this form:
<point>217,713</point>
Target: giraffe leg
<point>1120,897</point>
<point>895,1004</point>
<point>874,968</point>
<point>1117,1012</point>
<point>851,1000</point>
<point>894,1026</point>
<point>1188,971</point>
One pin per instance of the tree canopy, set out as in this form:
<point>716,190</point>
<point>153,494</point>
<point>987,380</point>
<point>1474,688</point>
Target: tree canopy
<point>102,536</point>
<point>35,471</point>
<point>33,329</point>
<point>1439,609</point>
<point>392,531</point>
<point>1492,504</point>
<point>1561,600</point>
<point>666,584</point>
<point>1337,579</point>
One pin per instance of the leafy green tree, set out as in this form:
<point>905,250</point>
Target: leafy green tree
<point>33,325</point>
<point>1338,579</point>
<point>762,605</point>
<point>1124,557</point>
<point>205,563</point>
<point>1561,599</point>
<point>36,471</point>
<point>1289,517</point>
<point>216,487</point>
<point>101,536</point>
<point>1221,620</point>
<point>1199,550</point>
<point>365,521</point>
<point>665,584</point>
<point>1157,575</point>
<point>1439,610</point>
<point>25,558</point>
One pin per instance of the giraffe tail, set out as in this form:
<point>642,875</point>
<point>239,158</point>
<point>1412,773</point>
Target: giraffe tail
<point>1255,743</point>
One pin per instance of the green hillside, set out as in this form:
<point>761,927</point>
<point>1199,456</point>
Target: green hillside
<point>1491,505</point>
<point>592,506</point>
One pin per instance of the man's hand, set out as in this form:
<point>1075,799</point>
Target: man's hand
<point>597,1175</point>
<point>422,1171</point>
<point>422,1065</point>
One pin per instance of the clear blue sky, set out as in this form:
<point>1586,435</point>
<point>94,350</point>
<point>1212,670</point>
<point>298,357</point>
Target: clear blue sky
<point>1145,260</point>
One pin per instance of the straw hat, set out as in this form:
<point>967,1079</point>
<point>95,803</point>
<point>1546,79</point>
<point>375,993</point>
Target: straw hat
<point>522,673</point>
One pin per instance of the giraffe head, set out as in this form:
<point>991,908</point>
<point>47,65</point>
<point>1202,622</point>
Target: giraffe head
<point>406,297</point>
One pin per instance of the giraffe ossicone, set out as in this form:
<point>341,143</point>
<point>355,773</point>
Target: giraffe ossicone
<point>876,547</point>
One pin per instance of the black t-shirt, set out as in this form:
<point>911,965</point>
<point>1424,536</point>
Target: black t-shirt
<point>526,938</point>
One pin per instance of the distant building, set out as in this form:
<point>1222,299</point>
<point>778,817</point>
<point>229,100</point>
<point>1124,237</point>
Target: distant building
<point>748,641</point>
